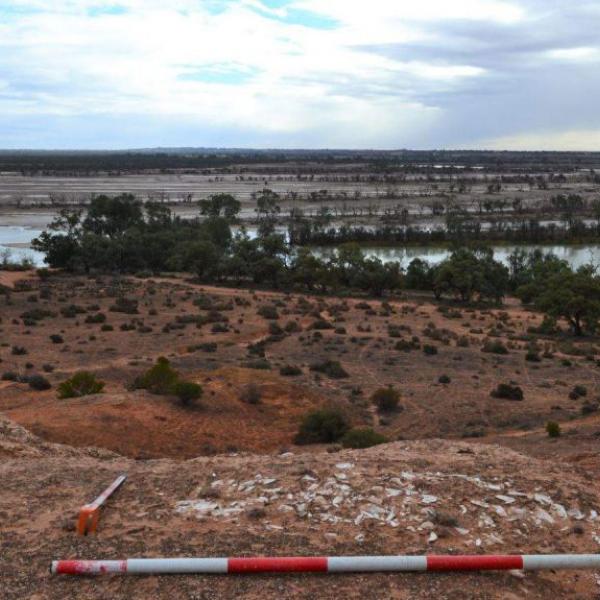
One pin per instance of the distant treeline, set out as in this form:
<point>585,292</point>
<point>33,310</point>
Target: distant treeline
<point>198,159</point>
<point>526,232</point>
<point>120,234</point>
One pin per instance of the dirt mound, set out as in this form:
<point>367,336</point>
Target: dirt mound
<point>141,425</point>
<point>16,441</point>
<point>401,498</point>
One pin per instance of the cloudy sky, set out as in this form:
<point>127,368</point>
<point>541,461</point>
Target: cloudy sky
<point>514,74</point>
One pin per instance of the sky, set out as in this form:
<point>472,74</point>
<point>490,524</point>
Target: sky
<point>385,74</point>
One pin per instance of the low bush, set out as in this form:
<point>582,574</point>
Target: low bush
<point>159,379</point>
<point>331,368</point>
<point>386,399</point>
<point>129,306</point>
<point>71,311</point>
<point>494,347</point>
<point>553,429</point>
<point>262,364</point>
<point>444,379</point>
<point>56,338</point>
<point>268,312</point>
<point>97,318</point>
<point>292,327</point>
<point>38,383</point>
<point>579,391</point>
<point>18,350</point>
<point>208,347</point>
<point>187,392</point>
<point>429,350</point>
<point>290,371</point>
<point>362,438</point>
<point>322,427</point>
<point>251,394</point>
<point>507,391</point>
<point>83,383</point>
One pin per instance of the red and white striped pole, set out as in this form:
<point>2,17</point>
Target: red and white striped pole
<point>341,564</point>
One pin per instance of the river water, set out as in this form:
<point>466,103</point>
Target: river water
<point>16,239</point>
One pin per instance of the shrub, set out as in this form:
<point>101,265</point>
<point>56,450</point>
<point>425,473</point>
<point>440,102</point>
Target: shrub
<point>494,347</point>
<point>579,391</point>
<point>97,318</point>
<point>322,427</point>
<point>18,350</point>
<point>106,327</point>
<point>386,399</point>
<point>159,379</point>
<point>588,407</point>
<point>533,356</point>
<point>268,312</point>
<point>262,364</point>
<point>553,429</point>
<point>128,306</point>
<point>292,327</point>
<point>331,368</point>
<point>429,350</point>
<point>444,379</point>
<point>507,391</point>
<point>362,438</point>
<point>55,338</point>
<point>209,347</point>
<point>38,383</point>
<point>37,314</point>
<point>71,311</point>
<point>83,383</point>
<point>187,391</point>
<point>462,342</point>
<point>321,324</point>
<point>9,376</point>
<point>406,346</point>
<point>290,371</point>
<point>251,394</point>
<point>275,329</point>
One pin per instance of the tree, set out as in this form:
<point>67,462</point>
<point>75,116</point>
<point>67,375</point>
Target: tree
<point>112,216</point>
<point>574,296</point>
<point>267,209</point>
<point>221,205</point>
<point>419,275</point>
<point>310,271</point>
<point>467,273</point>
<point>202,257</point>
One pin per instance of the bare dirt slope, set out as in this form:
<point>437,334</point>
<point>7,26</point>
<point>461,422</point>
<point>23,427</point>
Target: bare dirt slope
<point>406,497</point>
<point>217,337</point>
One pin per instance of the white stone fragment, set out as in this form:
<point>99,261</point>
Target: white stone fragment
<point>505,499</point>
<point>428,499</point>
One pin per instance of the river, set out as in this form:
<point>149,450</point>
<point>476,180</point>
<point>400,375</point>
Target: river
<point>16,239</point>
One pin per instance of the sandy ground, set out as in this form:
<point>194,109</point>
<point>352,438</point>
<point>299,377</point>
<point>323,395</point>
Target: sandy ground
<point>141,425</point>
<point>405,498</point>
<point>246,488</point>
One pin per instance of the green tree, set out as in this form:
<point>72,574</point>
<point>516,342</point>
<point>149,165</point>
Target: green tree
<point>112,216</point>
<point>574,296</point>
<point>221,205</point>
